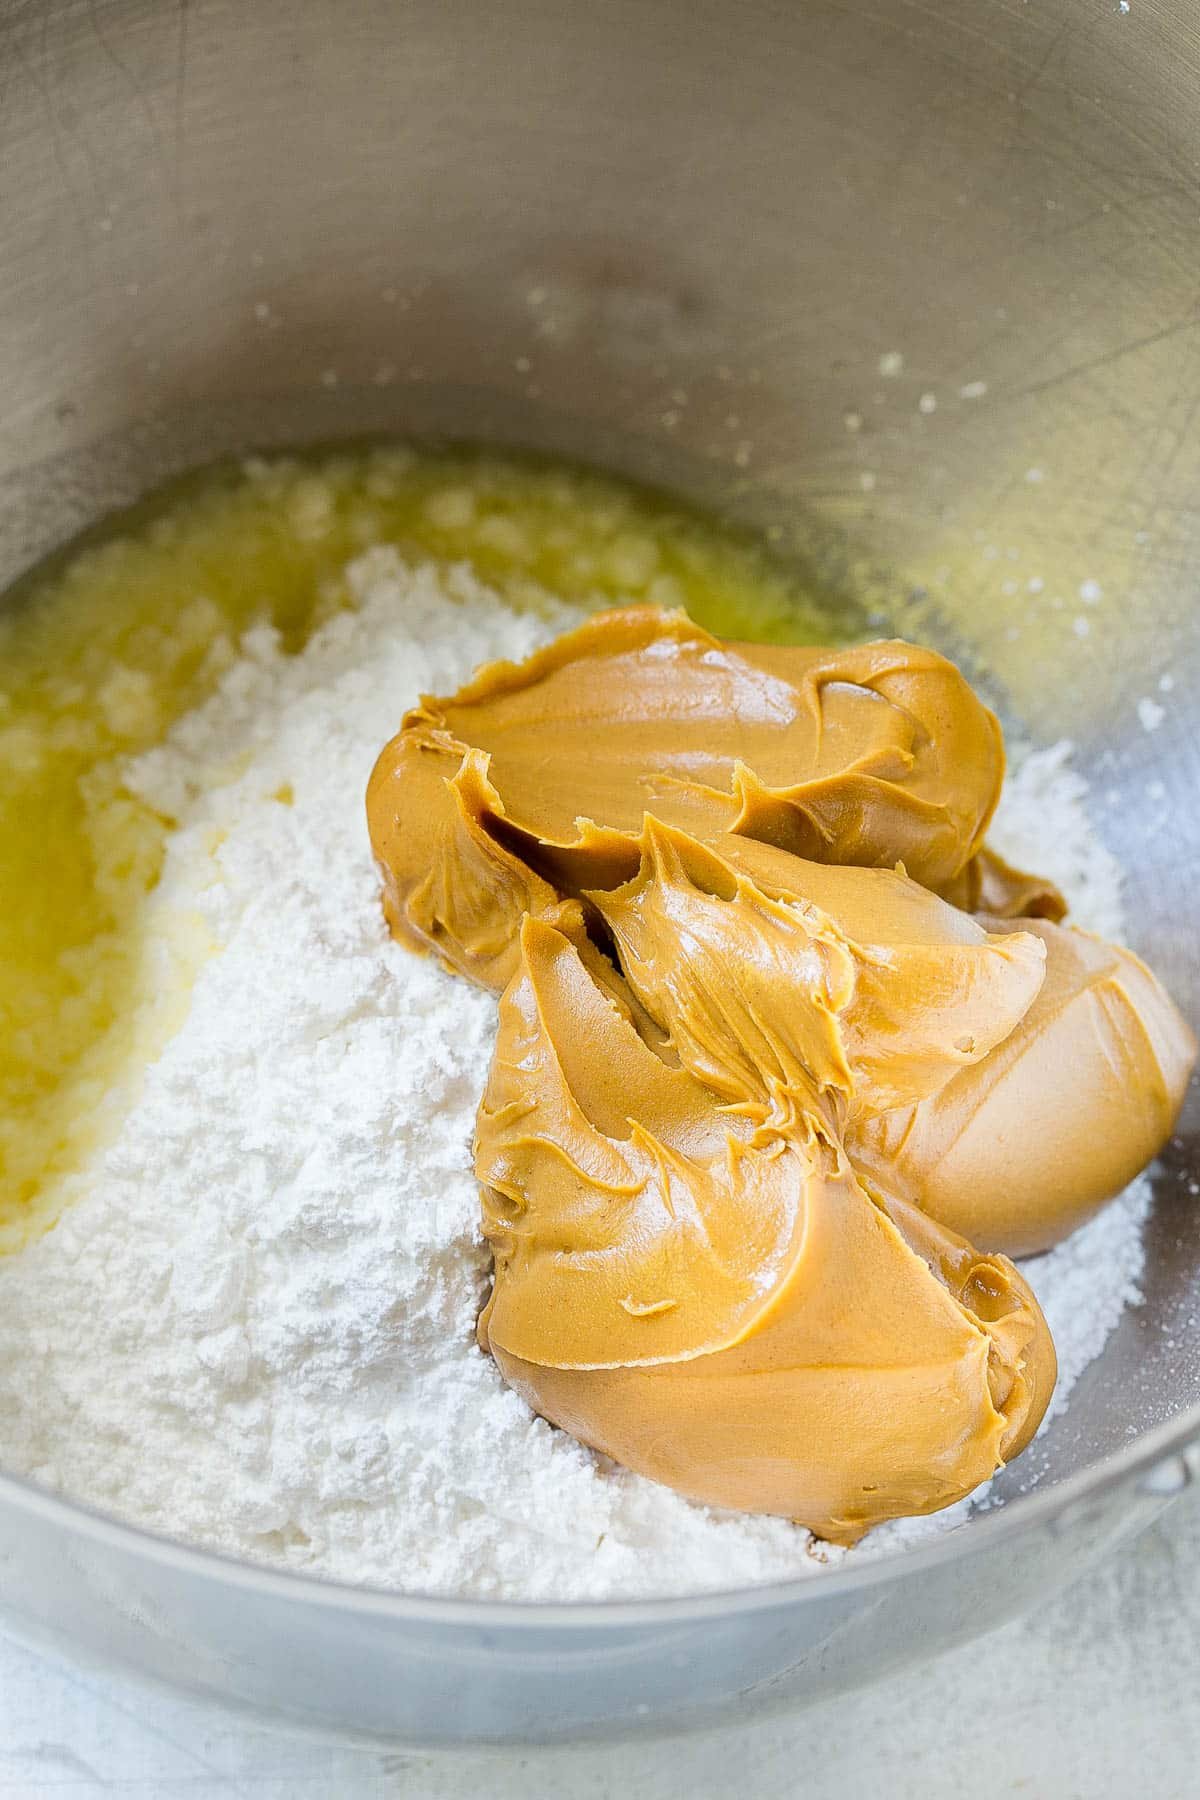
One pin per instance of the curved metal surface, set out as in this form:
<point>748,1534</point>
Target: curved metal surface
<point>911,283</point>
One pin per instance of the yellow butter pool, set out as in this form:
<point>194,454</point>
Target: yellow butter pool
<point>103,651</point>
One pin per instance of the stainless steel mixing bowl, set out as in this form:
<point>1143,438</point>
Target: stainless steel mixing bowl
<point>913,284</point>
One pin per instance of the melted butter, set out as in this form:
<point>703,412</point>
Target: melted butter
<point>101,652</point>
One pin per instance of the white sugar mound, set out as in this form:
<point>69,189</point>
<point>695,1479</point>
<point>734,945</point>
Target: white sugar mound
<point>254,1327</point>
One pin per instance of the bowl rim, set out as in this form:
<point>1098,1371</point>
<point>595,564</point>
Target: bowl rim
<point>1040,1506</point>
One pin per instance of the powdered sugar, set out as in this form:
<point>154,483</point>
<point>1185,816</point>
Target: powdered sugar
<point>255,1325</point>
<point>1042,823</point>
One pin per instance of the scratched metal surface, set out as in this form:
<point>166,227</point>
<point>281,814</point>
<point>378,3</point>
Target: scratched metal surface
<point>912,283</point>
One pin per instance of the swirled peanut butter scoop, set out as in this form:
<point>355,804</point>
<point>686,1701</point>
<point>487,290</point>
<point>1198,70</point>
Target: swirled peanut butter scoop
<point>630,1220</point>
<point>1023,1146</point>
<point>720,1304</point>
<point>544,770</point>
<point>777,979</point>
<point>752,1075</point>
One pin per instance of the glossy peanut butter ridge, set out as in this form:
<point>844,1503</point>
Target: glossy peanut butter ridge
<point>752,1076</point>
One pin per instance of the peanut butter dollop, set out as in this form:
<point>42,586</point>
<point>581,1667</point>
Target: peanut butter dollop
<point>702,1287</point>
<point>782,984</point>
<point>752,1078</point>
<point>534,778</point>
<point>1025,1145</point>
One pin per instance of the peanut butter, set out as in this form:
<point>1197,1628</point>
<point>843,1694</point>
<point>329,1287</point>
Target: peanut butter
<point>542,772</point>
<point>1025,1145</point>
<point>689,1274</point>
<point>854,986</point>
<point>990,885</point>
<point>752,1076</point>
